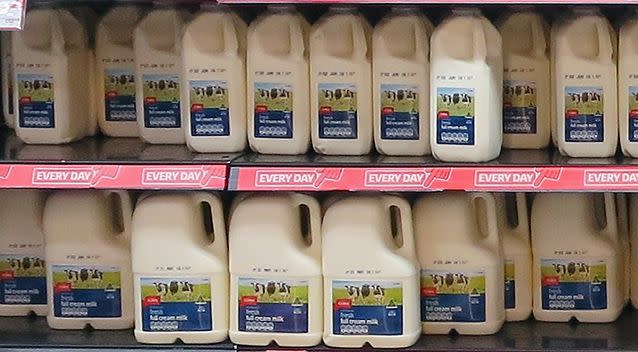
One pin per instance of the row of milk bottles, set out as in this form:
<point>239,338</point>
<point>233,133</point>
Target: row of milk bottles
<point>453,261</point>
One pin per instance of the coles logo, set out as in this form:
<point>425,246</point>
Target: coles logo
<point>6,275</point>
<point>73,175</point>
<point>152,301</point>
<point>604,178</point>
<point>428,292</point>
<point>62,287</point>
<point>248,301</point>
<point>343,303</point>
<point>302,177</point>
<point>187,176</point>
<point>520,177</point>
<point>550,280</point>
<point>405,178</point>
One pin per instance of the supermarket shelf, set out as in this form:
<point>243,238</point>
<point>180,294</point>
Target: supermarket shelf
<point>125,163</point>
<point>33,334</point>
<point>514,170</point>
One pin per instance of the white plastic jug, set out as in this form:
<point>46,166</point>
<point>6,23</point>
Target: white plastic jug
<point>180,267</point>
<point>585,88</point>
<point>400,44</point>
<point>275,270</point>
<point>577,269</point>
<point>513,223</point>
<point>51,66</point>
<point>278,82</point>
<point>461,258</point>
<point>622,207</point>
<point>341,83</point>
<point>22,264</point>
<point>628,86</point>
<point>158,67</point>
<point>88,261</point>
<point>115,71</point>
<point>633,233</point>
<point>466,100</point>
<point>214,75</point>
<point>6,70</point>
<point>371,274</point>
<point>526,81</point>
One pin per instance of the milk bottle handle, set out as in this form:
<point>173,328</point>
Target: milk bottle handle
<point>231,41</point>
<point>126,204</point>
<point>359,36</point>
<point>606,50</point>
<point>522,229</point>
<point>408,249</point>
<point>611,228</point>
<point>57,36</point>
<point>314,210</point>
<point>217,217</point>
<point>480,41</point>
<point>538,37</point>
<point>491,238</point>
<point>296,36</point>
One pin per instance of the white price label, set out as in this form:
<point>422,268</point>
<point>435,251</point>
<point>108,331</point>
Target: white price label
<point>12,14</point>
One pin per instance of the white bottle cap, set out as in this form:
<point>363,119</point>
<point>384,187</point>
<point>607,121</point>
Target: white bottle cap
<point>585,10</point>
<point>405,9</point>
<point>466,11</point>
<point>343,8</point>
<point>281,8</point>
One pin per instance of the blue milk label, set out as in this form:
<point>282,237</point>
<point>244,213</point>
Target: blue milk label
<point>452,296</point>
<point>273,305</point>
<point>399,112</point>
<point>372,307</point>
<point>209,108</point>
<point>89,291</point>
<point>36,101</point>
<point>519,107</point>
<point>633,113</point>
<point>455,116</point>
<point>23,279</point>
<point>161,101</point>
<point>338,111</point>
<point>584,114</point>
<point>119,95</point>
<point>176,304</point>
<point>573,285</point>
<point>273,110</point>
<point>510,284</point>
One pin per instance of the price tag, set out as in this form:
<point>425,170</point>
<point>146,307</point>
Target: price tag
<point>12,14</point>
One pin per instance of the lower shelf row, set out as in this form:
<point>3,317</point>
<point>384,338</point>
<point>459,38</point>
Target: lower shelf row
<point>352,270</point>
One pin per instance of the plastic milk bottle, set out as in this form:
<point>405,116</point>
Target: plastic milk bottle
<point>341,83</point>
<point>157,45</point>
<point>513,223</point>
<point>628,86</point>
<point>622,208</point>
<point>115,73</point>
<point>633,233</point>
<point>466,72</point>
<point>370,294</point>
<point>585,85</point>
<point>214,89</point>
<point>88,262</point>
<point>401,75</point>
<point>526,81</point>
<point>275,270</point>
<point>577,269</point>
<point>51,66</point>
<point>461,259</point>
<point>278,82</point>
<point>22,265</point>
<point>180,267</point>
<point>6,70</point>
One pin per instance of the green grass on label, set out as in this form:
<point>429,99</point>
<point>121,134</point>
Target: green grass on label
<point>509,271</point>
<point>633,102</point>
<point>31,272</point>
<point>476,284</point>
<point>343,104</point>
<point>586,108</point>
<point>597,273</point>
<point>112,278</point>
<point>38,95</point>
<point>214,101</point>
<point>121,89</point>
<point>277,104</point>
<point>298,294</point>
<point>162,95</point>
<point>460,109</point>
<point>393,296</point>
<point>524,100</point>
<point>201,292</point>
<point>405,105</point>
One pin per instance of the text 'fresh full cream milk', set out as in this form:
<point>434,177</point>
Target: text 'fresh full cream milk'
<point>214,75</point>
<point>51,66</point>
<point>371,294</point>
<point>578,263</point>
<point>461,258</point>
<point>275,270</point>
<point>180,268</point>
<point>23,284</point>
<point>526,81</point>
<point>88,260</point>
<point>466,81</point>
<point>115,72</point>
<point>585,91</point>
<point>400,44</point>
<point>341,83</point>
<point>157,45</point>
<point>278,82</point>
